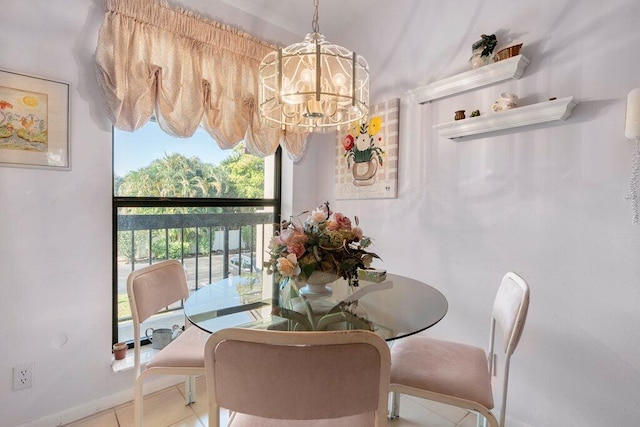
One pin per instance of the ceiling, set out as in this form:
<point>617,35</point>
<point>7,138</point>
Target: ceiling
<point>296,15</point>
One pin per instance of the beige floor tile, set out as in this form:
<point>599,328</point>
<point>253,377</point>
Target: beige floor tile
<point>104,419</point>
<point>471,420</point>
<point>192,421</point>
<point>412,414</point>
<point>161,409</point>
<point>452,413</point>
<point>166,408</point>
<point>200,405</point>
<point>224,417</point>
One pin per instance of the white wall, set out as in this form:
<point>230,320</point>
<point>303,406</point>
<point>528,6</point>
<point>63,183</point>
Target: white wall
<point>545,202</point>
<point>55,226</point>
<point>55,247</point>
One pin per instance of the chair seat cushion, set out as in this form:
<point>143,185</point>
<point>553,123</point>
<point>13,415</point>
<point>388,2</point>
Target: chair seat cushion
<point>442,367</point>
<point>186,351</point>
<point>243,420</point>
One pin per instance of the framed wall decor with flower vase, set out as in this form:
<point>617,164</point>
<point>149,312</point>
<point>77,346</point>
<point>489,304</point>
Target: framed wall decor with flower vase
<point>367,155</point>
<point>34,121</point>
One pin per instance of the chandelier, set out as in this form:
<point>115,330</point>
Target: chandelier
<point>313,86</point>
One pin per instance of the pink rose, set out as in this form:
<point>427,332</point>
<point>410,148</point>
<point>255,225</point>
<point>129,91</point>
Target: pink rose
<point>298,237</point>
<point>285,236</point>
<point>344,223</point>
<point>297,249</point>
<point>291,235</point>
<point>333,226</point>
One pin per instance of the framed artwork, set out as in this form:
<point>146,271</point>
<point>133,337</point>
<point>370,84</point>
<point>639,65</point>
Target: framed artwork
<point>367,155</point>
<point>34,121</point>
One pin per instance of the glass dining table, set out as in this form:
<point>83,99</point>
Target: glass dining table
<point>394,308</point>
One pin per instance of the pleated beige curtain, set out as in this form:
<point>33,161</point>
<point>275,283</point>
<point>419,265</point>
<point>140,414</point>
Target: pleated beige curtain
<point>188,71</point>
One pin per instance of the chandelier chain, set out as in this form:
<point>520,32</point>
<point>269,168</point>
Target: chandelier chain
<point>314,24</point>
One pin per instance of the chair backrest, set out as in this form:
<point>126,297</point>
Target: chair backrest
<point>298,375</point>
<point>151,289</point>
<point>154,287</point>
<point>509,314</point>
<point>510,309</point>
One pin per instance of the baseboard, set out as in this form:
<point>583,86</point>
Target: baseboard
<point>90,408</point>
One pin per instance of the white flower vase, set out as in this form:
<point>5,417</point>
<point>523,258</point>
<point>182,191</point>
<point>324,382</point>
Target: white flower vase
<point>316,285</point>
<point>364,173</point>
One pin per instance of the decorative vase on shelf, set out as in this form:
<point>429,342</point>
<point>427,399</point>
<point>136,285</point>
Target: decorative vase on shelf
<point>477,60</point>
<point>507,101</point>
<point>316,284</point>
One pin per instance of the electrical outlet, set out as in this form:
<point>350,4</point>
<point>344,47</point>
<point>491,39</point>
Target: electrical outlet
<point>23,376</point>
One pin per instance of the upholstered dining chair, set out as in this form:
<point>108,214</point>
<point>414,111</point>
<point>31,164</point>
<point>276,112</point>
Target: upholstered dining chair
<point>277,378</point>
<point>151,289</point>
<point>459,374</point>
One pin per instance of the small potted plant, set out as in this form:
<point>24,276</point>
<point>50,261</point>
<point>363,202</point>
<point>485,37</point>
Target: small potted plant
<point>482,51</point>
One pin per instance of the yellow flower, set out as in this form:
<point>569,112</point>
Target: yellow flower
<point>374,125</point>
<point>354,130</point>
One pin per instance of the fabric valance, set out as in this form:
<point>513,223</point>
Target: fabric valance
<point>188,71</point>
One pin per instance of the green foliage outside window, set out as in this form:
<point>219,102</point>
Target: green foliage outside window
<point>175,175</point>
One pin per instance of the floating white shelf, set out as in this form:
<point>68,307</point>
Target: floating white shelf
<point>483,76</point>
<point>558,109</point>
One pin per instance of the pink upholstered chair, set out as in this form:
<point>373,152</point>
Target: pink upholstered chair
<point>151,289</point>
<point>274,378</point>
<point>459,374</point>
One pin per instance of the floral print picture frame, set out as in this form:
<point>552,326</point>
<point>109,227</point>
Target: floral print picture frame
<point>367,155</point>
<point>34,121</point>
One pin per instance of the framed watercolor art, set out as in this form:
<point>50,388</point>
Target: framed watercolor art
<point>34,121</point>
<point>367,155</point>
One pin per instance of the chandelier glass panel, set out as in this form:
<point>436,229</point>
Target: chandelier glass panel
<point>313,86</point>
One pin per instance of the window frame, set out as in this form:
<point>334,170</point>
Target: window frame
<point>167,202</point>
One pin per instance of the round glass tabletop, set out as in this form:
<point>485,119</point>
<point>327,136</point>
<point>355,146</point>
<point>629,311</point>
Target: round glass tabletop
<point>395,308</point>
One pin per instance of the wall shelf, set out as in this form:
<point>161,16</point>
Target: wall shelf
<point>483,76</point>
<point>559,109</point>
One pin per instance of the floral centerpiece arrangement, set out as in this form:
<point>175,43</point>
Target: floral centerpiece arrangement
<point>326,243</point>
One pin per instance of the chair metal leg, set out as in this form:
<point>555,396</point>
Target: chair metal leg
<point>395,405</point>
<point>190,389</point>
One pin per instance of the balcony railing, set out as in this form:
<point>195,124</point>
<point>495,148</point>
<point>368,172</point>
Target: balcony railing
<point>218,226</point>
<point>211,246</point>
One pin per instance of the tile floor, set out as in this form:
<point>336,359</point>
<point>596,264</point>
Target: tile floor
<point>166,408</point>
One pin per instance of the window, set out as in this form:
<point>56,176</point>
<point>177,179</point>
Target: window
<point>186,199</point>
